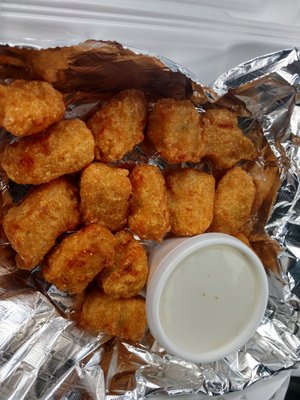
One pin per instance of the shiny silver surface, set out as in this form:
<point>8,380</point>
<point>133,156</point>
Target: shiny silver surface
<point>42,353</point>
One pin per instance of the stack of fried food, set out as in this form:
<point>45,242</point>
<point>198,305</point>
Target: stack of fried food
<point>81,220</point>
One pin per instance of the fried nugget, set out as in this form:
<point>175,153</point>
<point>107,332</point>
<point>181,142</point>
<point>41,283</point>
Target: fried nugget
<point>125,318</point>
<point>118,126</point>
<point>33,226</point>
<point>191,199</point>
<point>175,130</point>
<point>66,147</point>
<point>225,143</point>
<point>76,261</point>
<point>233,201</point>
<point>149,214</point>
<point>104,193</point>
<point>28,107</point>
<point>129,273</point>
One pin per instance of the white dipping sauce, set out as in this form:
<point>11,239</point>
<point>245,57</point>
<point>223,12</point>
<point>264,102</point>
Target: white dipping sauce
<point>208,298</point>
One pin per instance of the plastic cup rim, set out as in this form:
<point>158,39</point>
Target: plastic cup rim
<point>164,270</point>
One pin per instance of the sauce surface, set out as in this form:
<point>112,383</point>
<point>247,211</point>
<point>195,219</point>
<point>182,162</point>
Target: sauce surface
<point>208,298</point>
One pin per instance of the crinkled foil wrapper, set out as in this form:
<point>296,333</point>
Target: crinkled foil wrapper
<point>43,355</point>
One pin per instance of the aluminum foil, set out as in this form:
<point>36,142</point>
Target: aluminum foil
<point>42,353</point>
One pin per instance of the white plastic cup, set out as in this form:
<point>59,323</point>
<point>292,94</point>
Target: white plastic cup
<point>223,313</point>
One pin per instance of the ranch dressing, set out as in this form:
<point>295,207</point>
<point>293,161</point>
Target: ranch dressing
<point>208,298</point>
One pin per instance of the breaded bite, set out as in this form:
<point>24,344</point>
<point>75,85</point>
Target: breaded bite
<point>66,147</point>
<point>104,193</point>
<point>175,130</point>
<point>149,213</point>
<point>76,261</point>
<point>28,107</point>
<point>125,318</point>
<point>233,201</point>
<point>129,273</point>
<point>118,126</point>
<point>33,226</point>
<point>191,200</point>
<point>225,143</point>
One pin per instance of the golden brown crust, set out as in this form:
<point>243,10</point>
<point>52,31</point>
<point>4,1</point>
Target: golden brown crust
<point>28,107</point>
<point>66,147</point>
<point>104,193</point>
<point>233,201</point>
<point>191,198</point>
<point>118,126</point>
<point>125,318</point>
<point>33,226</point>
<point>149,213</point>
<point>175,130</point>
<point>128,275</point>
<point>76,261</point>
<point>225,143</point>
